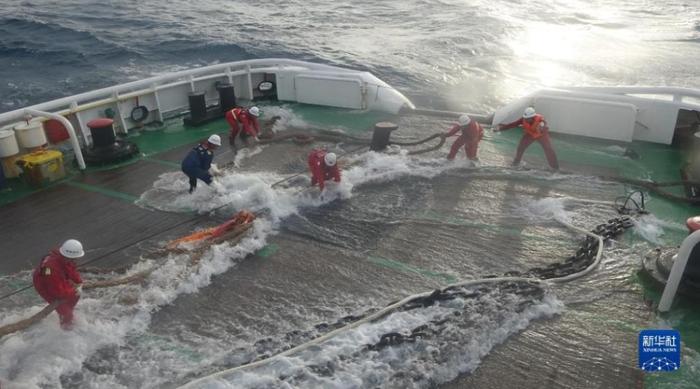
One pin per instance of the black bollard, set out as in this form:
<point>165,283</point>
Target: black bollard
<point>198,106</point>
<point>380,137</point>
<point>227,96</point>
<point>102,131</point>
<point>106,148</point>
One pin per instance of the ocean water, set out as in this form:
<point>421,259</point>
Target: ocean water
<point>462,55</point>
<point>396,226</point>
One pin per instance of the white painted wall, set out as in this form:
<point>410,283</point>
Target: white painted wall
<point>614,113</point>
<point>586,117</point>
<point>329,91</point>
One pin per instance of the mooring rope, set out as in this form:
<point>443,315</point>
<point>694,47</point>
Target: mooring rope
<point>655,187</point>
<point>442,137</point>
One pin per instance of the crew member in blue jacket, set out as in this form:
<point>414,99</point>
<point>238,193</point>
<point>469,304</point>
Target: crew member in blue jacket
<point>197,163</point>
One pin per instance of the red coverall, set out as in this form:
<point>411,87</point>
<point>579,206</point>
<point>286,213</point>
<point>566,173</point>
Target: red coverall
<point>320,172</point>
<point>247,121</point>
<point>535,131</point>
<point>53,280</point>
<point>469,138</point>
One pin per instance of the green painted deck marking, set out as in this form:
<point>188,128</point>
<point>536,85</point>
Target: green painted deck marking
<point>174,134</point>
<point>163,162</point>
<point>107,192</point>
<point>268,250</point>
<point>353,121</point>
<point>393,264</point>
<point>15,189</point>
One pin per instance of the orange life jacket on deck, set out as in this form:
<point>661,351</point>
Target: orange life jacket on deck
<point>533,129</point>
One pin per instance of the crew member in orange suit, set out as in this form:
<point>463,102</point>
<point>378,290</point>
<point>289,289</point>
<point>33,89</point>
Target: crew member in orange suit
<point>57,279</point>
<point>469,137</point>
<point>245,119</point>
<point>323,166</point>
<point>535,129</point>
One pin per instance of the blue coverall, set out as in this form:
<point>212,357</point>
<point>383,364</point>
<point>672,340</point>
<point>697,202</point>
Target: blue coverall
<point>196,165</point>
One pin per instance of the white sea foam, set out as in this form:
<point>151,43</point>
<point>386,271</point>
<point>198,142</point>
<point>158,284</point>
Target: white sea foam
<point>653,229</point>
<point>286,118</point>
<point>546,208</point>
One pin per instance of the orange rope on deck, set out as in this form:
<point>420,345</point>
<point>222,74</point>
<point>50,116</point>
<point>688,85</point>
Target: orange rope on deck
<point>26,323</point>
<point>241,218</point>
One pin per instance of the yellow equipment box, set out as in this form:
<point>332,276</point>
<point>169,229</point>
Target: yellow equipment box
<point>42,167</point>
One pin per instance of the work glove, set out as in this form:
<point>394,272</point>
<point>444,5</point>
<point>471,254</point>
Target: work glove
<point>79,289</point>
<point>214,170</point>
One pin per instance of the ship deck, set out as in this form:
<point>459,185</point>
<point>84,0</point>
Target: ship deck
<point>98,207</point>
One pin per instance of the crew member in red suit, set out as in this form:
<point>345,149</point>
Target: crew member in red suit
<point>323,167</point>
<point>469,137</point>
<point>245,118</point>
<point>57,279</point>
<point>535,129</point>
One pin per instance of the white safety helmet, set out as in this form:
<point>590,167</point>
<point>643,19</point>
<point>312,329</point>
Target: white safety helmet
<point>330,159</point>
<point>72,249</point>
<point>255,111</point>
<point>529,113</point>
<point>215,140</point>
<point>464,120</point>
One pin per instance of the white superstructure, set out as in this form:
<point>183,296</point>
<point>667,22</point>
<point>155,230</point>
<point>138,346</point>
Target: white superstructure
<point>614,113</point>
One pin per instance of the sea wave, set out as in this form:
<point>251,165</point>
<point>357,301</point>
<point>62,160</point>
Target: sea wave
<point>34,37</point>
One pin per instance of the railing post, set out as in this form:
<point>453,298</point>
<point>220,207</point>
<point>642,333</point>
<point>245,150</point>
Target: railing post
<point>154,87</point>
<point>190,78</point>
<point>250,82</point>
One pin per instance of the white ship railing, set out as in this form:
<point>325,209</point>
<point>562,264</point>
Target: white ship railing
<point>167,93</point>
<point>87,100</point>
